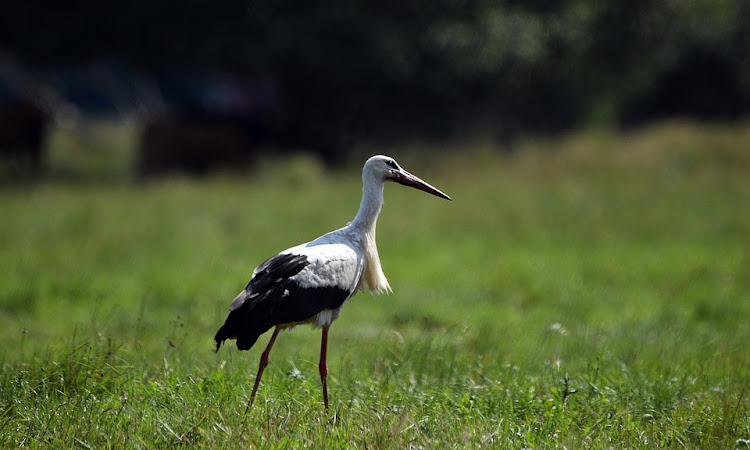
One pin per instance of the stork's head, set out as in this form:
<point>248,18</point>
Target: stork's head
<point>387,169</point>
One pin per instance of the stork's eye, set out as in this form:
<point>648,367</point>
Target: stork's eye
<point>392,164</point>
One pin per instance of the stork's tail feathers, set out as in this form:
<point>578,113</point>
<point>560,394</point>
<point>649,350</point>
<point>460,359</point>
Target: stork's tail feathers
<point>222,335</point>
<point>245,333</point>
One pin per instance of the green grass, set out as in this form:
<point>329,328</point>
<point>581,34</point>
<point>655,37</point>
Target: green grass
<point>590,291</point>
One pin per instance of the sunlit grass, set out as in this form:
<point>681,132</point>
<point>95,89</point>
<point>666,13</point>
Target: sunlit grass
<point>597,295</point>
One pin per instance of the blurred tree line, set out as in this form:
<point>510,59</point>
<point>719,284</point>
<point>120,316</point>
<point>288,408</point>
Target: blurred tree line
<point>436,68</point>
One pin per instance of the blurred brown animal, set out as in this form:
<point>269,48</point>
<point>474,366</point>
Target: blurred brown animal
<point>22,130</point>
<point>193,145</point>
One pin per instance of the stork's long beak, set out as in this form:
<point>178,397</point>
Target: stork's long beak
<point>403,177</point>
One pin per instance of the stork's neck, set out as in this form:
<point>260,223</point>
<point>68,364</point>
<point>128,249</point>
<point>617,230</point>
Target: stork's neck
<point>372,202</point>
<point>363,226</point>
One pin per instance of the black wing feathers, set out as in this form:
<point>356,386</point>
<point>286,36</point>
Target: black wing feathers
<point>271,299</point>
<point>280,267</point>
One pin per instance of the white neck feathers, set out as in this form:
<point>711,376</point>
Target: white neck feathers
<point>365,222</point>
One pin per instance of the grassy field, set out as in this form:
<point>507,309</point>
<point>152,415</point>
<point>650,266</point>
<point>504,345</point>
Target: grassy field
<point>588,291</point>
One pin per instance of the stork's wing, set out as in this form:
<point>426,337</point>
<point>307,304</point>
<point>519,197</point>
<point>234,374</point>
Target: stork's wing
<point>268,274</point>
<point>292,287</point>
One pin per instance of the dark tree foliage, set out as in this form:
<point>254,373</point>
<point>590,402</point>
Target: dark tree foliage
<point>354,69</point>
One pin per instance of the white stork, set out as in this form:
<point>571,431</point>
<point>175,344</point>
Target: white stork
<point>309,283</point>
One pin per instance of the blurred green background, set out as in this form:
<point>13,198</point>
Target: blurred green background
<point>590,282</point>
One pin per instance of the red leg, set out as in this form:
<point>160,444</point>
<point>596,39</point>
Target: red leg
<point>323,367</point>
<point>262,367</point>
